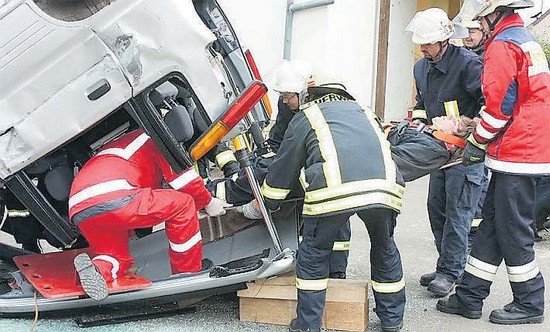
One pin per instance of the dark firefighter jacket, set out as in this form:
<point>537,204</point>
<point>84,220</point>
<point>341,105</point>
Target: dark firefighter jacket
<point>341,157</point>
<point>450,86</point>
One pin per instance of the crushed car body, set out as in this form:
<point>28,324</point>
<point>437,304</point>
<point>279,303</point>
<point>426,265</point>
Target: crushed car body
<point>75,77</point>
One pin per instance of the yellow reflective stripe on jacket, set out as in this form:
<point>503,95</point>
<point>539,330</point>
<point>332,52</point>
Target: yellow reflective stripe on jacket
<point>341,246</point>
<point>355,187</point>
<point>274,193</point>
<point>353,202</point>
<point>522,273</point>
<point>389,164</point>
<point>312,285</point>
<point>388,287</point>
<point>451,108</point>
<point>331,167</point>
<point>303,180</point>
<point>224,157</point>
<point>420,114</point>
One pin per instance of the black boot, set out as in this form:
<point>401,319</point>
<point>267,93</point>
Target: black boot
<point>337,275</point>
<point>441,285</point>
<point>452,305</point>
<point>295,327</point>
<point>425,279</point>
<point>392,328</point>
<point>512,314</point>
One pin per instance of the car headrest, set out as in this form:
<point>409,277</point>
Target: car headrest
<point>58,182</point>
<point>179,123</point>
<point>162,92</point>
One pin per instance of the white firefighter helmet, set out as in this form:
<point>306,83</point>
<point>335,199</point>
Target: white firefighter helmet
<point>468,13</point>
<point>430,26</point>
<point>293,76</point>
<point>492,5</point>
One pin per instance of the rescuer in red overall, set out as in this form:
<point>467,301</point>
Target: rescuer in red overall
<point>121,189</point>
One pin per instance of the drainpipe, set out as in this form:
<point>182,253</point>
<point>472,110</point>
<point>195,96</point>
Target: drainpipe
<point>293,8</point>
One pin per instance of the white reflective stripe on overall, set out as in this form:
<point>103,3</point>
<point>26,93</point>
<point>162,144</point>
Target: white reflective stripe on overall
<point>522,273</point>
<point>274,193</point>
<point>114,262</point>
<point>99,189</point>
<point>311,285</point>
<point>491,120</point>
<point>388,287</point>
<point>183,247</point>
<point>481,269</point>
<point>341,246</point>
<point>331,167</point>
<point>224,157</point>
<point>184,179</point>
<point>129,150</point>
<point>538,59</point>
<point>451,108</point>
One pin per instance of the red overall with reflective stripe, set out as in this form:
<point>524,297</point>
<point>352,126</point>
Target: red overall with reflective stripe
<point>133,165</point>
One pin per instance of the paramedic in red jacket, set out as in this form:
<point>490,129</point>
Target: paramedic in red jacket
<point>120,189</point>
<point>514,133</point>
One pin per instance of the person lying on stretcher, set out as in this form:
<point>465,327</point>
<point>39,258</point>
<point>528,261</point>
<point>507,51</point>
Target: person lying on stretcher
<point>418,149</point>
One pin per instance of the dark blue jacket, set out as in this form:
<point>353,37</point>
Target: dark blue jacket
<point>456,77</point>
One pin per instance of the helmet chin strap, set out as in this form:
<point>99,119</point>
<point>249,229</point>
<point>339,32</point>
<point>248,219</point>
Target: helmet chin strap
<point>439,54</point>
<point>500,15</point>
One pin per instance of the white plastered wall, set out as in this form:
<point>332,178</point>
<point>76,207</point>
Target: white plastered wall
<point>340,40</point>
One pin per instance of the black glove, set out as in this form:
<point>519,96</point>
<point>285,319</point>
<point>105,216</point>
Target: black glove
<point>472,154</point>
<point>231,168</point>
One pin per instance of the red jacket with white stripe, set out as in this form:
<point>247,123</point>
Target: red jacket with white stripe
<point>131,162</point>
<point>516,85</point>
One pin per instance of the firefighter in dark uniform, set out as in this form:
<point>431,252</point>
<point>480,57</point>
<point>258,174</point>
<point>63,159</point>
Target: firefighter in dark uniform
<point>291,78</point>
<point>448,83</point>
<point>338,153</point>
<point>511,138</point>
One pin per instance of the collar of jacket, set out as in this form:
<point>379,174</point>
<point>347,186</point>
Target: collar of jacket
<point>445,62</point>
<point>511,21</point>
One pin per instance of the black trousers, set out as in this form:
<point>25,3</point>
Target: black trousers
<point>505,233</point>
<point>312,267</point>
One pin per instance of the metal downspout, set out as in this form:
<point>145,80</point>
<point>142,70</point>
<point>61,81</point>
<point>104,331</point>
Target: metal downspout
<point>291,8</point>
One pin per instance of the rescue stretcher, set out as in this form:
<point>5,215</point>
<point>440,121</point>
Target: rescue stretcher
<point>420,150</point>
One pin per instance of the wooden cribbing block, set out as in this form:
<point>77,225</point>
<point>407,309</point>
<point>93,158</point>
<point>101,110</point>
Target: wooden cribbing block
<point>273,301</point>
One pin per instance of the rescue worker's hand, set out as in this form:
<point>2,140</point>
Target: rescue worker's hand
<point>474,152</point>
<point>250,210</point>
<point>230,168</point>
<point>216,207</point>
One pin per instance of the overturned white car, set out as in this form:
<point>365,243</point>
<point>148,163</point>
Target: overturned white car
<point>76,75</point>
